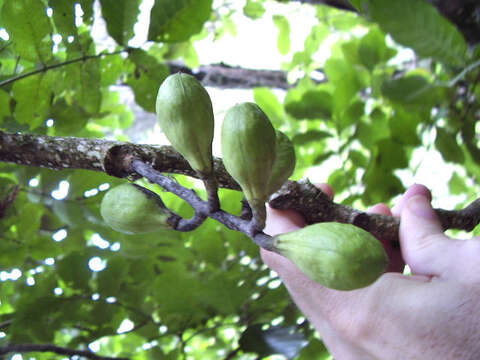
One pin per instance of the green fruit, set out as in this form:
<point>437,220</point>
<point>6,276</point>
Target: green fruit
<point>184,111</point>
<point>248,149</point>
<point>284,162</point>
<point>338,256</point>
<point>132,209</point>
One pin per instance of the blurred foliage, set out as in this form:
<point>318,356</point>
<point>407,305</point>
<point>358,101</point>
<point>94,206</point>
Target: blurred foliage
<point>390,93</point>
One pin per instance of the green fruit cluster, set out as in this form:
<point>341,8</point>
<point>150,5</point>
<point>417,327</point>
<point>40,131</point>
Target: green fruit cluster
<point>256,156</point>
<point>132,209</point>
<point>338,256</point>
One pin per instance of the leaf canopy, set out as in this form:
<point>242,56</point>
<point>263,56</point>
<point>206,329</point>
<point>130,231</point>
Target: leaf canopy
<point>374,101</point>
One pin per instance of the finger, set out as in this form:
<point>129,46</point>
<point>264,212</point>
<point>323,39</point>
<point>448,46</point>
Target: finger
<point>381,209</point>
<point>416,189</point>
<point>395,263</point>
<point>281,221</point>
<point>327,189</point>
<point>424,246</point>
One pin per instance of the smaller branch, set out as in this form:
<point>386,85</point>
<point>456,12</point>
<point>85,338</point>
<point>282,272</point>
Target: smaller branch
<point>246,213</point>
<point>211,185</point>
<point>315,206</point>
<point>202,208</point>
<point>24,348</point>
<point>465,71</point>
<point>191,224</point>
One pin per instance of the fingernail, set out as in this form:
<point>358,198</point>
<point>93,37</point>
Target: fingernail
<point>420,206</point>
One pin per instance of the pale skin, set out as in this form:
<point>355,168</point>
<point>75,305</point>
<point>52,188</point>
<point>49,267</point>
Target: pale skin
<point>434,314</point>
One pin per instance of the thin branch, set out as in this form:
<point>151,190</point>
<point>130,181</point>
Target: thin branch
<point>58,65</point>
<point>211,186</point>
<point>464,72</point>
<point>25,348</point>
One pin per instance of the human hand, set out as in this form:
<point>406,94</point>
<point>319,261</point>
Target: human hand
<point>430,315</point>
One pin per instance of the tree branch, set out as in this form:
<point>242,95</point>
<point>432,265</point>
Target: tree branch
<point>58,65</point>
<point>225,76</point>
<point>116,158</point>
<point>24,348</point>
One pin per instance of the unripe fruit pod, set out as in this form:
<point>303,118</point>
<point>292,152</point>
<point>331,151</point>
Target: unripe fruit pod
<point>248,150</point>
<point>132,209</point>
<point>338,256</point>
<point>284,162</point>
<point>185,113</point>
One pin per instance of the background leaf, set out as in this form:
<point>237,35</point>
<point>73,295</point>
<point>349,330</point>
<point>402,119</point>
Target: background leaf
<point>419,20</point>
<point>177,21</point>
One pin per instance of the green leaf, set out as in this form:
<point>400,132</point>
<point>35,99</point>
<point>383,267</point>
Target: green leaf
<point>317,35</point>
<point>28,25</point>
<point>412,90</point>
<point>146,79</point>
<point>369,133</point>
<point>268,102</point>
<point>310,136</point>
<point>176,21</point>
<point>73,269</point>
<point>313,104</point>
<point>380,185</point>
<point>32,95</point>
<point>254,9</point>
<point>373,50</point>
<point>315,350</point>
<point>84,79</point>
<point>339,179</point>
<point>110,280</point>
<point>87,8</point>
<point>403,127</point>
<point>418,24</point>
<point>357,4</point>
<point>283,40</point>
<point>457,185</point>
<point>4,104</point>
<point>346,79</point>
<point>69,119</point>
<point>352,115</point>
<point>448,146</point>
<point>69,212</point>
<point>358,158</point>
<point>64,17</point>
<point>120,16</point>
<point>390,155</point>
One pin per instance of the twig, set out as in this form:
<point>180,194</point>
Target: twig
<point>54,66</point>
<point>24,348</point>
<point>211,185</point>
<point>460,76</point>
<point>202,209</point>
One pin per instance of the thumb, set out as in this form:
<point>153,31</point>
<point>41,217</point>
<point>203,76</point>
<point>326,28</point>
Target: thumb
<point>424,246</point>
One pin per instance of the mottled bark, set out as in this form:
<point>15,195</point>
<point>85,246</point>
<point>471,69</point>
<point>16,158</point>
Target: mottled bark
<point>116,158</point>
